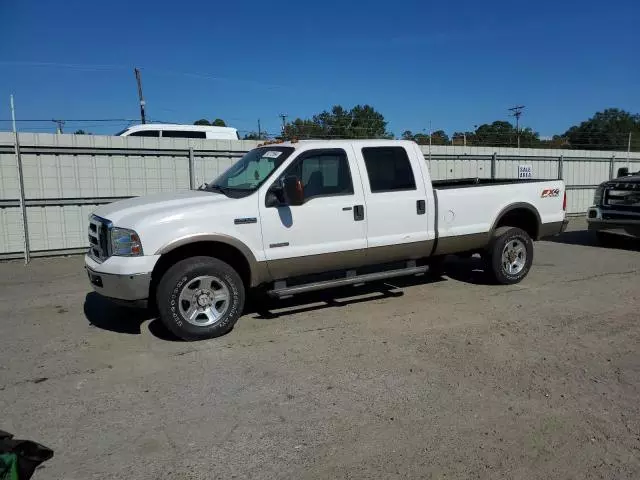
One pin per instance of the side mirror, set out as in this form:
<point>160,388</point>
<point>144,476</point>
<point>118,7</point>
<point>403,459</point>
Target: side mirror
<point>623,172</point>
<point>293,190</point>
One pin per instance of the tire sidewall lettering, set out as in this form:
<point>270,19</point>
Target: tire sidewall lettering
<point>229,315</point>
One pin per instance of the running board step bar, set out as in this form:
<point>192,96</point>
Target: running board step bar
<point>281,290</point>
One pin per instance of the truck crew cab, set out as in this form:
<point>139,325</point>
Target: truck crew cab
<point>295,217</point>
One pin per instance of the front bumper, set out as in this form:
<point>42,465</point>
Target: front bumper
<point>125,288</point>
<point>597,223</point>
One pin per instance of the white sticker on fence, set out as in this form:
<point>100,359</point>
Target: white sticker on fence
<point>525,171</point>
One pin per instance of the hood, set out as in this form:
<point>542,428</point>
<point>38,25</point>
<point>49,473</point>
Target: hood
<point>633,181</point>
<point>127,213</point>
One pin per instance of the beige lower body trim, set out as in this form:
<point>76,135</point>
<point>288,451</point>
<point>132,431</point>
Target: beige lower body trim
<point>293,267</point>
<point>461,243</point>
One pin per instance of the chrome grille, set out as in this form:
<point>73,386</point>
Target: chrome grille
<point>623,196</point>
<point>99,238</point>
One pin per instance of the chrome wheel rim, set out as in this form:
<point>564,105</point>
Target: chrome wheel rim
<point>204,300</point>
<point>514,257</point>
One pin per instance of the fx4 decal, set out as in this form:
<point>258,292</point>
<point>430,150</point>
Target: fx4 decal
<point>550,192</point>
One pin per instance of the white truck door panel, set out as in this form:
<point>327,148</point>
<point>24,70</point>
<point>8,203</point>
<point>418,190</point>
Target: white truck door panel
<point>321,234</point>
<point>396,201</point>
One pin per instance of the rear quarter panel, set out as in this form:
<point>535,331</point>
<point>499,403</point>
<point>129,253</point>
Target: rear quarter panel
<point>475,209</point>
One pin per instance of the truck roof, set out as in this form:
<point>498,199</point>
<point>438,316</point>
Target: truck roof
<point>330,143</point>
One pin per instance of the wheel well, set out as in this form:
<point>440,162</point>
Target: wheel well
<point>219,250</point>
<point>522,218</point>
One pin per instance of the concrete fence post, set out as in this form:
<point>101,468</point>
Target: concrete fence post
<point>192,171</point>
<point>560,167</point>
<point>494,159</point>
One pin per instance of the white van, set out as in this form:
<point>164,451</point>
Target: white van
<point>171,130</point>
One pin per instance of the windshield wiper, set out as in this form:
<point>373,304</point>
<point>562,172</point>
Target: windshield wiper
<point>211,187</point>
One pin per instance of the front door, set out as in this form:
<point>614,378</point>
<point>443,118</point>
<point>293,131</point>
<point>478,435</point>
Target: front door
<point>328,231</point>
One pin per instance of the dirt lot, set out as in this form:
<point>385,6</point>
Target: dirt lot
<point>413,379</point>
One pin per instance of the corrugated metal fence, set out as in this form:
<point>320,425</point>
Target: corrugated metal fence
<point>67,176</point>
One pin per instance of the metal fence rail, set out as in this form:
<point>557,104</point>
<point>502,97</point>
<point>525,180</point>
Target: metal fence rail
<point>66,176</point>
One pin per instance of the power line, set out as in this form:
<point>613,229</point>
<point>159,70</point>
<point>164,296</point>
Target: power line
<point>77,120</point>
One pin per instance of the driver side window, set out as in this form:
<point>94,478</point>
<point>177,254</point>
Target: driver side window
<point>323,173</point>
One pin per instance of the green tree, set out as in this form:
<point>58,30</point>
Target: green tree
<point>361,121</point>
<point>202,121</point>
<point>504,134</point>
<point>302,129</point>
<point>407,135</point>
<point>80,132</point>
<point>606,130</point>
<point>218,122</point>
<point>439,137</point>
<point>463,138</point>
<point>421,138</point>
<point>255,136</point>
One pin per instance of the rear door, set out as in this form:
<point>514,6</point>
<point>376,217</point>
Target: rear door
<point>328,231</point>
<point>396,209</point>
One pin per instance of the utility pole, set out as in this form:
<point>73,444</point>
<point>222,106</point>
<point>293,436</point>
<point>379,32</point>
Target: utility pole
<point>259,131</point>
<point>517,112</point>
<point>283,116</point>
<point>143,117</point>
<point>59,125</point>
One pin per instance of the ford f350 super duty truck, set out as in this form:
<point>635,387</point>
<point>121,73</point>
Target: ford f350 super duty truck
<point>616,207</point>
<point>295,217</point>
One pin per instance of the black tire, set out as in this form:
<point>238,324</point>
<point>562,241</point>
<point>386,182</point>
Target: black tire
<point>437,266</point>
<point>180,278</point>
<point>509,236</point>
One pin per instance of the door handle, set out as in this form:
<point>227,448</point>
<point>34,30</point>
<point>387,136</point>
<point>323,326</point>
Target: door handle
<point>346,209</point>
<point>421,207</point>
<point>358,212</point>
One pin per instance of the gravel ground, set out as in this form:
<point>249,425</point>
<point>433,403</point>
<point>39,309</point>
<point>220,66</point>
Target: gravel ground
<point>415,378</point>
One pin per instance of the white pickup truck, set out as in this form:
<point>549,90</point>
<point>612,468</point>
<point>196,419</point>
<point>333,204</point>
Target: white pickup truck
<point>295,217</point>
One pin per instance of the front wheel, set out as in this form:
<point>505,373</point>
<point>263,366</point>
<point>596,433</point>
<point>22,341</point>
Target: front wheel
<point>200,297</point>
<point>511,255</point>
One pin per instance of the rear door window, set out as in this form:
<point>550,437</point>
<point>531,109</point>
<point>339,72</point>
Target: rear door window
<point>388,169</point>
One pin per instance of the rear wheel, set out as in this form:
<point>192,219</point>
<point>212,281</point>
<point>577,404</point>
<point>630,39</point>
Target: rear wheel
<point>200,297</point>
<point>510,255</point>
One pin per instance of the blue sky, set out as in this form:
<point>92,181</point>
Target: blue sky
<point>454,64</point>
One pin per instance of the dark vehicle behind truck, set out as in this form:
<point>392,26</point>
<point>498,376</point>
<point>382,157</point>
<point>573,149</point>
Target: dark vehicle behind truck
<point>616,206</point>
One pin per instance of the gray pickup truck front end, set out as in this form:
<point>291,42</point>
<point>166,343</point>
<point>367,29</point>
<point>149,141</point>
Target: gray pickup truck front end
<point>616,207</point>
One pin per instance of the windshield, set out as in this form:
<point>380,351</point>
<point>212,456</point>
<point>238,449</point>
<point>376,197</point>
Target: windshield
<point>250,171</point>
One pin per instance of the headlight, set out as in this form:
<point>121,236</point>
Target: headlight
<point>125,243</point>
<point>597,197</point>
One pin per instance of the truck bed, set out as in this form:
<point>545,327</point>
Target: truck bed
<point>481,182</point>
